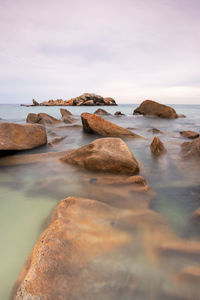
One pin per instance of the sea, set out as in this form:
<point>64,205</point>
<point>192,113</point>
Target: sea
<point>29,192</point>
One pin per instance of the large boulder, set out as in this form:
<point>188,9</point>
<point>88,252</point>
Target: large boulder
<point>42,118</point>
<point>189,134</point>
<point>95,124</point>
<point>62,262</point>
<point>21,137</point>
<point>157,147</point>
<point>191,149</point>
<point>153,108</point>
<point>105,154</point>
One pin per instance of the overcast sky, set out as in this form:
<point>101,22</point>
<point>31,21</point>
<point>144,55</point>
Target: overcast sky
<point>130,50</point>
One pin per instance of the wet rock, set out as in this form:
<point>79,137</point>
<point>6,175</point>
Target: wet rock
<point>101,112</point>
<point>181,116</point>
<point>153,108</point>
<point>105,154</point>
<point>56,141</point>
<point>119,113</point>
<point>42,118</point>
<point>154,130</point>
<point>96,124</point>
<point>21,137</point>
<point>157,147</point>
<point>191,149</point>
<point>65,112</point>
<point>189,274</point>
<point>80,230</point>
<point>189,134</point>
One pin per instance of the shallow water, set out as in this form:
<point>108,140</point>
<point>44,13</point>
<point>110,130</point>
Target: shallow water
<point>29,193</point>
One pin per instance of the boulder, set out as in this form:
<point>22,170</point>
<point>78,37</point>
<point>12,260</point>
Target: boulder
<point>109,101</point>
<point>42,118</point>
<point>196,215</point>
<point>105,154</point>
<point>21,137</point>
<point>62,262</point>
<point>157,147</point>
<point>189,134</point>
<point>154,130</point>
<point>189,274</point>
<point>35,103</point>
<point>191,149</point>
<point>153,108</point>
<point>101,112</point>
<point>56,141</point>
<point>119,113</point>
<point>65,112</point>
<point>95,124</point>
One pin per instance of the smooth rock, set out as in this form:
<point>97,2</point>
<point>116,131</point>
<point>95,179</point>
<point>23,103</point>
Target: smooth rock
<point>101,112</point>
<point>105,154</point>
<point>119,113</point>
<point>35,103</point>
<point>154,130</point>
<point>21,137</point>
<point>189,274</point>
<point>196,215</point>
<point>157,147</point>
<point>153,108</point>
<point>65,112</point>
<point>96,124</point>
<point>42,118</point>
<point>191,149</point>
<point>56,141</point>
<point>189,134</point>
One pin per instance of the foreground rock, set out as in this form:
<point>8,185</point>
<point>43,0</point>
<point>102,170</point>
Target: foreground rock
<point>191,149</point>
<point>101,112</point>
<point>80,230</point>
<point>153,108</point>
<point>86,99</point>
<point>42,118</point>
<point>189,134</point>
<point>157,147</point>
<point>21,137</point>
<point>105,154</point>
<point>95,124</point>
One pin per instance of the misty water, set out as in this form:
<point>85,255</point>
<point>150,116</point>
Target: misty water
<point>29,192</point>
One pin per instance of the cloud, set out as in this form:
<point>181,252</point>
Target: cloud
<point>125,49</point>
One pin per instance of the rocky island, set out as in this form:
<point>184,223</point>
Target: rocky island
<point>85,99</point>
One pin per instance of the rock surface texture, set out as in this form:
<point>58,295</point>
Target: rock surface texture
<point>96,124</point>
<point>189,134</point>
<point>42,118</point>
<point>21,137</point>
<point>153,108</point>
<point>191,149</point>
<point>157,147</point>
<point>105,154</point>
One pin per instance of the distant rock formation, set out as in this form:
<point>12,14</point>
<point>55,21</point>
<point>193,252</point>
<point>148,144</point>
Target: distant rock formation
<point>83,100</point>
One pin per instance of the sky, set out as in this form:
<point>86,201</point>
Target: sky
<point>130,50</point>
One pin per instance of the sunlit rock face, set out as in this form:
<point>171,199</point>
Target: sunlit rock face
<point>153,108</point>
<point>21,136</point>
<point>105,154</point>
<point>95,124</point>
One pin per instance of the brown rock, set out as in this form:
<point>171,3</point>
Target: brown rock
<point>109,101</point>
<point>155,130</point>
<point>21,137</point>
<point>184,248</point>
<point>42,118</point>
<point>35,103</point>
<point>190,274</point>
<point>153,108</point>
<point>96,124</point>
<point>80,230</point>
<point>101,112</point>
<point>66,116</point>
<point>56,141</point>
<point>189,134</point>
<point>196,215</point>
<point>191,149</point>
<point>119,113</point>
<point>157,147</point>
<point>105,154</point>
<point>65,112</point>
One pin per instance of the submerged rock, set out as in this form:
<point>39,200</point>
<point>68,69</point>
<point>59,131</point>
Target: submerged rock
<point>105,154</point>
<point>56,141</point>
<point>80,230</point>
<point>101,112</point>
<point>154,130</point>
<point>189,134</point>
<point>153,108</point>
<point>66,116</point>
<point>21,137</point>
<point>191,149</point>
<point>119,113</point>
<point>96,124</point>
<point>42,118</point>
<point>157,147</point>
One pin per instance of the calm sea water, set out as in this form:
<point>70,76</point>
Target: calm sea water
<point>29,192</point>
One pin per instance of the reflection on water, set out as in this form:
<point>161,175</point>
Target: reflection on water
<point>30,191</point>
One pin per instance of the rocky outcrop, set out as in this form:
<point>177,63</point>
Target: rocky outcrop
<point>101,112</point>
<point>153,108</point>
<point>66,116</point>
<point>191,149</point>
<point>42,118</point>
<point>105,154</point>
<point>157,147</point>
<point>119,113</point>
<point>189,134</point>
<point>21,137</point>
<point>35,103</point>
<point>86,99</point>
<point>96,124</point>
<point>79,231</point>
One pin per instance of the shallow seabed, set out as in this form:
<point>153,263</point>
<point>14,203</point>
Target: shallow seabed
<point>30,191</point>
